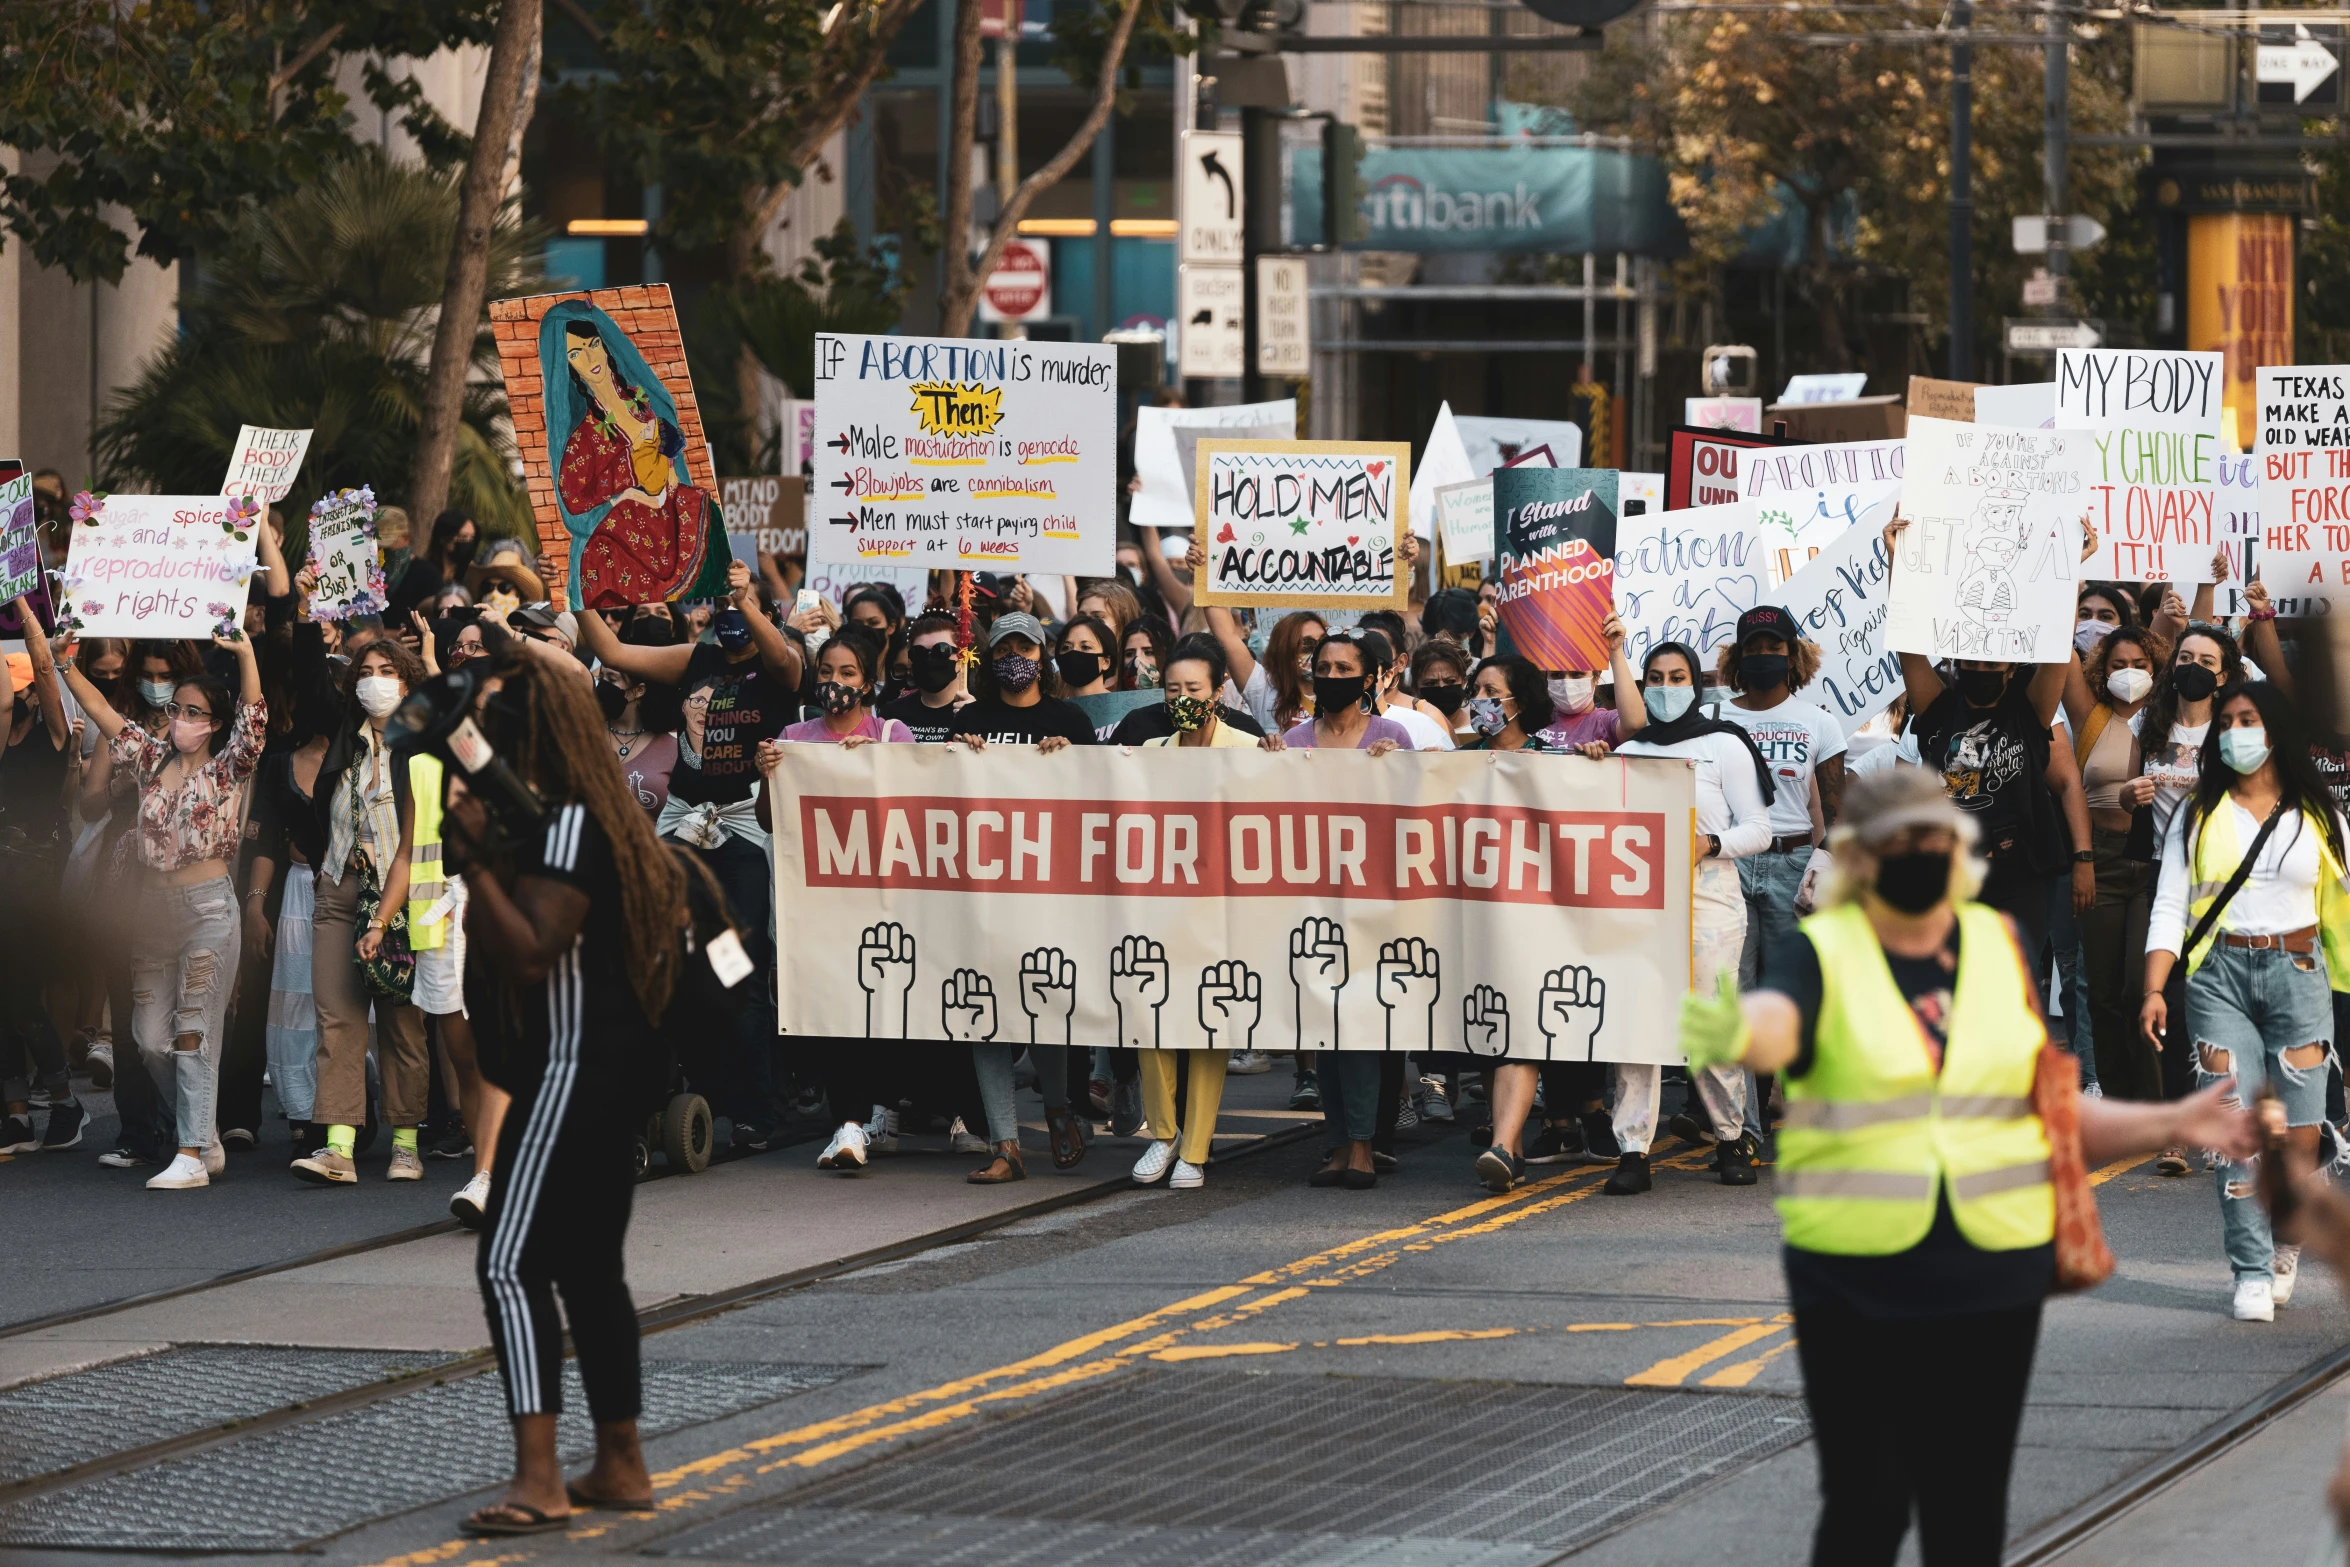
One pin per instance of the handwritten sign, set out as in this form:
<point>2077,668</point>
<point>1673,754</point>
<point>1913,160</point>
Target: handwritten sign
<point>768,512</point>
<point>1465,514</point>
<point>265,462</point>
<point>343,555</point>
<point>1555,547</point>
<point>966,455</point>
<point>20,540</point>
<point>1842,599</point>
<point>1701,466</point>
<point>2303,464</point>
<point>1686,576</point>
<point>159,565</point>
<point>1953,400</point>
<point>1804,496</point>
<point>1304,524</point>
<point>1165,501</point>
<point>1986,568</point>
<point>2155,418</point>
<point>838,582</point>
<point>2238,487</point>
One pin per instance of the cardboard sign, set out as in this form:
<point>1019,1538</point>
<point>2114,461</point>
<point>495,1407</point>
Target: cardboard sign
<point>1465,513</point>
<point>1164,501</point>
<point>1989,562</point>
<point>1952,400</point>
<point>769,510</point>
<point>343,554</point>
<point>2155,418</point>
<point>1686,576</point>
<point>2302,466</point>
<point>159,565</point>
<point>1842,599</point>
<point>20,540</point>
<point>1701,465</point>
<point>1304,524</point>
<point>963,455</point>
<point>1861,419</point>
<point>265,462</point>
<point>1555,553</point>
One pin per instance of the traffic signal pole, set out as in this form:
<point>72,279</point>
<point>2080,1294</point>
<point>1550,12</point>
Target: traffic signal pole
<point>2056,92</point>
<point>1260,229</point>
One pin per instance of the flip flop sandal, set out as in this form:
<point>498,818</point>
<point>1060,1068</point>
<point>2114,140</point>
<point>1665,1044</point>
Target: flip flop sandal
<point>522,1519</point>
<point>2173,1162</point>
<point>1069,1144</point>
<point>607,1504</point>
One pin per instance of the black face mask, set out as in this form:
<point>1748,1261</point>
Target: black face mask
<point>611,699</point>
<point>2192,682</point>
<point>1762,671</point>
<point>1981,687</point>
<point>1078,668</point>
<point>1445,697</point>
<point>934,667</point>
<point>1913,883</point>
<point>1334,694</point>
<point>461,554</point>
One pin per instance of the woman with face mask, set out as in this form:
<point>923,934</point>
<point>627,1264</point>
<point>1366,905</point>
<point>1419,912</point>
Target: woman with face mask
<point>935,675</point>
<point>1342,696</point>
<point>1440,676</point>
<point>849,676</point>
<point>1145,654</point>
<point>1083,658</point>
<point>1581,723</point>
<point>2251,897</point>
<point>1734,792</point>
<point>1020,700</point>
<point>641,718</point>
<point>1913,1179</point>
<point>1509,707</point>
<point>190,779</point>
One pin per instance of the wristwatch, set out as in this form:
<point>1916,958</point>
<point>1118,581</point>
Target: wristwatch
<point>2084,856</point>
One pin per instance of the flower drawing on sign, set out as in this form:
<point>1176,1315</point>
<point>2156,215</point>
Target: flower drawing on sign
<point>87,506</point>
<point>240,514</point>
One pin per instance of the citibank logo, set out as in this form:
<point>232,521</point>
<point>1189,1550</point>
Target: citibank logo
<point>1400,201</point>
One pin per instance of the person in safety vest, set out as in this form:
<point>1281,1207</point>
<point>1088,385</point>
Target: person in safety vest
<point>1913,1174</point>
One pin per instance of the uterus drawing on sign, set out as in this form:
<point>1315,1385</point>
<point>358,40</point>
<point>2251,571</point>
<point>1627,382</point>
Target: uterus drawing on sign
<point>1987,592</point>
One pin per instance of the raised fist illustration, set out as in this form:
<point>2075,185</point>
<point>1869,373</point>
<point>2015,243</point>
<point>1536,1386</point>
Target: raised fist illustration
<point>1138,984</point>
<point>1573,1005</point>
<point>1048,994</point>
<point>1408,988</point>
<point>966,1004</point>
<point>1317,967</point>
<point>1229,1001</point>
<point>885,968</point>
<point>1485,1022</point>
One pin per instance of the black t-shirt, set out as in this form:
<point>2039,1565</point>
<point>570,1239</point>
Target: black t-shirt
<point>32,783</point>
<point>718,745</point>
<point>929,724</point>
<point>1153,723</point>
<point>1000,724</point>
<point>1994,764</point>
<point>1944,1275</point>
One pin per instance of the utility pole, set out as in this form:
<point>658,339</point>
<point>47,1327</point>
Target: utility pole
<point>2055,92</point>
<point>1962,194</point>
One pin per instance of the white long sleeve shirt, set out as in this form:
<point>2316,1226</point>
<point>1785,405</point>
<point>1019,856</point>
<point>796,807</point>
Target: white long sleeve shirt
<point>2279,896</point>
<point>1729,798</point>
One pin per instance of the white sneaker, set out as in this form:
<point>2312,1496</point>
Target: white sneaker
<point>216,1159</point>
<point>472,1201</point>
<point>2255,1301</point>
<point>2093,1091</point>
<point>101,1064</point>
<point>2286,1265</point>
<point>960,1140</point>
<point>881,1132</point>
<point>184,1173</point>
<point>1154,1164</point>
<point>846,1151</point>
<point>1187,1176</point>
<point>1247,1063</point>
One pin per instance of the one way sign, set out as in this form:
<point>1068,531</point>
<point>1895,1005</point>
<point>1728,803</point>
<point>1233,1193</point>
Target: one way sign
<point>1214,196</point>
<point>2300,67</point>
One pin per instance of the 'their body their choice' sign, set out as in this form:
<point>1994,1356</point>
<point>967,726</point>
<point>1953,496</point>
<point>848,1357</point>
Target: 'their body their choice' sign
<point>965,455</point>
<point>2303,460</point>
<point>265,462</point>
<point>1555,545</point>
<point>2154,417</point>
<point>1312,524</point>
<point>1986,568</point>
<point>159,565</point>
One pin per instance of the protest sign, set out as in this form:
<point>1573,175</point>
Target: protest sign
<point>965,455</point>
<point>1862,419</point>
<point>1164,500</point>
<point>2236,481</point>
<point>765,513</point>
<point>1686,576</point>
<point>1804,496</point>
<point>1188,437</point>
<point>1494,442</point>
<point>1952,400</point>
<point>2155,421</point>
<point>1444,461</point>
<point>1555,552</point>
<point>1465,512</point>
<point>1987,566</point>
<point>2028,406</point>
<point>1701,465</point>
<point>159,565</point>
<point>1840,386</point>
<point>20,540</point>
<point>837,580</point>
<point>2303,469</point>
<point>1639,492</point>
<point>343,556</point>
<point>1724,413</point>
<point>1532,907</point>
<point>1842,599</point>
<point>265,462</point>
<point>1311,524</point>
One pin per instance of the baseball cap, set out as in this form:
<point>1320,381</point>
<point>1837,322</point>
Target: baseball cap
<point>1019,623</point>
<point>1768,620</point>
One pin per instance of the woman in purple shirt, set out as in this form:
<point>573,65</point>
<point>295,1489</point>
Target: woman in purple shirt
<point>848,683</point>
<point>1341,721</point>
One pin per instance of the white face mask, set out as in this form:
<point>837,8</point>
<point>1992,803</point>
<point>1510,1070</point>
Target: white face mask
<point>1572,693</point>
<point>379,694</point>
<point>2130,685</point>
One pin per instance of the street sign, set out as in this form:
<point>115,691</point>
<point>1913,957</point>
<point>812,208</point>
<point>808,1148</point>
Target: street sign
<point>1021,286</point>
<point>1284,340</point>
<point>1214,197</point>
<point>2300,68</point>
<point>2049,337</point>
<point>2031,234</point>
<point>1209,306</point>
<point>2040,288</point>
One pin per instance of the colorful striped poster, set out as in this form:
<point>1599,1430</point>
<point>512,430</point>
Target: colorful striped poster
<point>1555,537</point>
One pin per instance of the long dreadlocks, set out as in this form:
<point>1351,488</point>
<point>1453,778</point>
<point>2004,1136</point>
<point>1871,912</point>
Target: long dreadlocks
<point>565,754</point>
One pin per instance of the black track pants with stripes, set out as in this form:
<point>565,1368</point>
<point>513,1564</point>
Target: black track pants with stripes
<point>557,1219</point>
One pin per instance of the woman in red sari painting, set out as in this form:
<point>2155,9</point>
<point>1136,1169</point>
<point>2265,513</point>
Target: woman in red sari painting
<point>652,543</point>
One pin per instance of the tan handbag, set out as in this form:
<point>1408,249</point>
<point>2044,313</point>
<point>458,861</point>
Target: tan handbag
<point>2083,1260</point>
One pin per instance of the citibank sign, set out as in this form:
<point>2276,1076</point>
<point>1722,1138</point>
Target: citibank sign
<point>1401,204</point>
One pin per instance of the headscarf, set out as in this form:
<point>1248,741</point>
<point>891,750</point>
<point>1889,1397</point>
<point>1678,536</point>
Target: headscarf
<point>1694,722</point>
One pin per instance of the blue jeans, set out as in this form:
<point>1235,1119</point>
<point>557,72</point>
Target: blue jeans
<point>180,982</point>
<point>1769,880</point>
<point>2247,1009</point>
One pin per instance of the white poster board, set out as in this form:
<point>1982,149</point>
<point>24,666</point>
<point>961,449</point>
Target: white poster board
<point>835,580</point>
<point>1987,567</point>
<point>2156,421</point>
<point>343,554</point>
<point>1493,441</point>
<point>1304,524</point>
<point>1444,460</point>
<point>1832,387</point>
<point>159,565</point>
<point>1647,489</point>
<point>1842,600</point>
<point>265,462</point>
<point>2030,405</point>
<point>1465,512</point>
<point>1164,500</point>
<point>1805,496</point>
<point>2303,463</point>
<point>1686,576</point>
<point>965,455</point>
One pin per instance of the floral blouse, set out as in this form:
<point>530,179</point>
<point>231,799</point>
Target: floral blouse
<point>200,819</point>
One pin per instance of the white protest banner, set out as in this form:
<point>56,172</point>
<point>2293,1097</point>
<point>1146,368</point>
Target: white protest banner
<point>1841,600</point>
<point>1164,501</point>
<point>1304,524</point>
<point>265,462</point>
<point>1987,565</point>
<point>20,540</point>
<point>343,555</point>
<point>1504,905</point>
<point>1804,496</point>
<point>1465,512</point>
<point>159,565</point>
<point>2156,418</point>
<point>1492,441</point>
<point>2304,471</point>
<point>1686,576</point>
<point>966,455</point>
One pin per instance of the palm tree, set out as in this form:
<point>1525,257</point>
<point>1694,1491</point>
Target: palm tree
<point>320,316</point>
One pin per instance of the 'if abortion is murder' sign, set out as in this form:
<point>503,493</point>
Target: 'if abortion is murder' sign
<point>2154,419</point>
<point>159,565</point>
<point>1304,524</point>
<point>1555,539</point>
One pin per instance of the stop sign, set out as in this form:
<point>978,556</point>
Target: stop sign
<point>1021,286</point>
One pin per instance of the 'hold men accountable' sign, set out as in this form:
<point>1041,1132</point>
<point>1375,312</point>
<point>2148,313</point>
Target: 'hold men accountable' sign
<point>1304,524</point>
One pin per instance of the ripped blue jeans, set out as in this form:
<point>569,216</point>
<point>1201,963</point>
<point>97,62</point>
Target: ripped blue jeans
<point>2268,1017</point>
<point>181,976</point>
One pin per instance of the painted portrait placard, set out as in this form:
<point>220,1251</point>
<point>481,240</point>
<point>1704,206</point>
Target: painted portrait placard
<point>612,447</point>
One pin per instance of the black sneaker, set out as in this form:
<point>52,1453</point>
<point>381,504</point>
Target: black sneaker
<point>1686,1127</point>
<point>1737,1161</point>
<point>237,1140</point>
<point>16,1135</point>
<point>1499,1169</point>
<point>1126,1117</point>
<point>1557,1145</point>
<point>1631,1177</point>
<point>752,1139</point>
<point>454,1146</point>
<point>1308,1095</point>
<point>65,1126</point>
<point>1599,1138</point>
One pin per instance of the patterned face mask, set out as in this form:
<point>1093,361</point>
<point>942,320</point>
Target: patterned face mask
<point>836,698</point>
<point>1188,713</point>
<point>1014,672</point>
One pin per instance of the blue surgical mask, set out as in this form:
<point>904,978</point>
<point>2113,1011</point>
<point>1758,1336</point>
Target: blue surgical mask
<point>2243,749</point>
<point>1666,703</point>
<point>158,693</point>
<point>731,629</point>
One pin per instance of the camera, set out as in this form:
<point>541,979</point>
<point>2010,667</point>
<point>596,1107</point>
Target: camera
<point>437,718</point>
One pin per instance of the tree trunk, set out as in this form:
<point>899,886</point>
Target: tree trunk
<point>957,296</point>
<point>511,85</point>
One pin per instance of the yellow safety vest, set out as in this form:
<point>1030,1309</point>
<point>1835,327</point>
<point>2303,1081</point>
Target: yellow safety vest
<point>2213,858</point>
<point>427,928</point>
<point>1872,1134</point>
